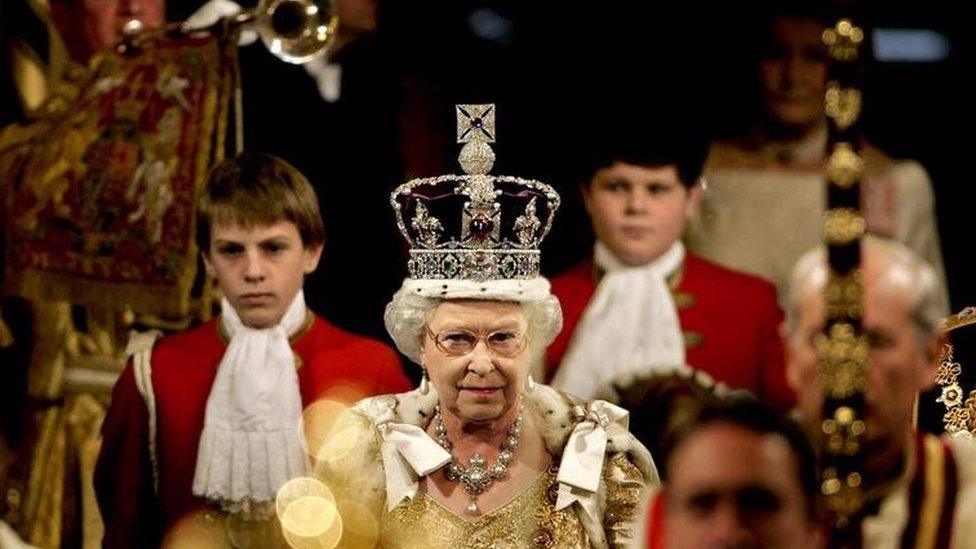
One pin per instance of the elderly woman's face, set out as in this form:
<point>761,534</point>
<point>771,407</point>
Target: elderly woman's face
<point>483,384</point>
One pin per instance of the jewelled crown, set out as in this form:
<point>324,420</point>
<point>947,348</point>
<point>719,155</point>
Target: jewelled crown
<point>474,226</point>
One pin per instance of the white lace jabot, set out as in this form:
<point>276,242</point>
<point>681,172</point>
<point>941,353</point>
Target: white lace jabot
<point>253,438</point>
<point>630,325</point>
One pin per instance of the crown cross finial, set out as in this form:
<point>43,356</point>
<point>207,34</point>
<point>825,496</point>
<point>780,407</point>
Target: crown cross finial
<point>476,129</point>
<point>475,123</point>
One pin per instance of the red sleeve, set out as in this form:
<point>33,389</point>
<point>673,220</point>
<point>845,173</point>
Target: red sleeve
<point>654,527</point>
<point>775,389</point>
<point>573,289</point>
<point>123,473</point>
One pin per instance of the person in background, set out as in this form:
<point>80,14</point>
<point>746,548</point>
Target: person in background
<point>920,489</point>
<point>766,198</point>
<point>209,420</point>
<point>761,493</point>
<point>642,304</point>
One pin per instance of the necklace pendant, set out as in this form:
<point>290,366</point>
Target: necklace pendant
<point>479,475</point>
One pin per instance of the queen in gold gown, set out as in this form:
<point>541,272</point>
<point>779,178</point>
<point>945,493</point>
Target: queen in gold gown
<point>479,455</point>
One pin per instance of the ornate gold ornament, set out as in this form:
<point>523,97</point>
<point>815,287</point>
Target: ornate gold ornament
<point>843,40</point>
<point>842,347</point>
<point>845,167</point>
<point>843,361</point>
<point>844,496</point>
<point>843,226</point>
<point>960,416</point>
<point>844,295</point>
<point>842,105</point>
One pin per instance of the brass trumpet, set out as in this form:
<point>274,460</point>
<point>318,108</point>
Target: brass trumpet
<point>295,31</point>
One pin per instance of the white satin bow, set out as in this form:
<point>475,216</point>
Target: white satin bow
<point>408,453</point>
<point>582,463</point>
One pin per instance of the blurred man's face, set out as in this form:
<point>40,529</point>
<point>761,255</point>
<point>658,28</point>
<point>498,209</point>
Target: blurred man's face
<point>89,26</point>
<point>793,74</point>
<point>901,363</point>
<point>730,487</point>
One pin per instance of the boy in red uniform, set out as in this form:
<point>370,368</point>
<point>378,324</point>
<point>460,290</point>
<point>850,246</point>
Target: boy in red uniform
<point>642,305</point>
<point>211,419</point>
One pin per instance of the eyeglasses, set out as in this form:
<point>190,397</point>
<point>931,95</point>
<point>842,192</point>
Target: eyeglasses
<point>502,343</point>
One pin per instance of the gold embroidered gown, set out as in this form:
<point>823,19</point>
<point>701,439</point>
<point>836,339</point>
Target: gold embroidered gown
<point>383,504</point>
<point>528,520</point>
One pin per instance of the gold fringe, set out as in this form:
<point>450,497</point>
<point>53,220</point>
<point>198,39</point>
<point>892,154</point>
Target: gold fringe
<point>41,285</point>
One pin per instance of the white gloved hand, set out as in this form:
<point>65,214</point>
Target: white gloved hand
<point>213,11</point>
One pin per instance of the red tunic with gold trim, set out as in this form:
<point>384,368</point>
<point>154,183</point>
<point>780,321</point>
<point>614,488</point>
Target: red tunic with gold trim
<point>183,369</point>
<point>730,322</point>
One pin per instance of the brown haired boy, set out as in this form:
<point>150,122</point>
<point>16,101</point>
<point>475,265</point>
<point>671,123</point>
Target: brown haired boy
<point>212,419</point>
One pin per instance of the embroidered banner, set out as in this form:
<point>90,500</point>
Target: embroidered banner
<point>100,212</point>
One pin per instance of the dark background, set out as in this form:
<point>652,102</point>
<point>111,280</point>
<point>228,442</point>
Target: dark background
<point>556,71</point>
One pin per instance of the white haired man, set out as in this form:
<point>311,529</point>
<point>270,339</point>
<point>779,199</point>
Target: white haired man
<point>921,489</point>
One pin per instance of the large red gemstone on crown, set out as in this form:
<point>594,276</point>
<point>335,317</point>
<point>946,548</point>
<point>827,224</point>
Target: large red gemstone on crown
<point>481,227</point>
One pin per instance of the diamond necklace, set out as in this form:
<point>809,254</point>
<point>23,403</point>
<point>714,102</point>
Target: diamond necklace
<point>478,476</point>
